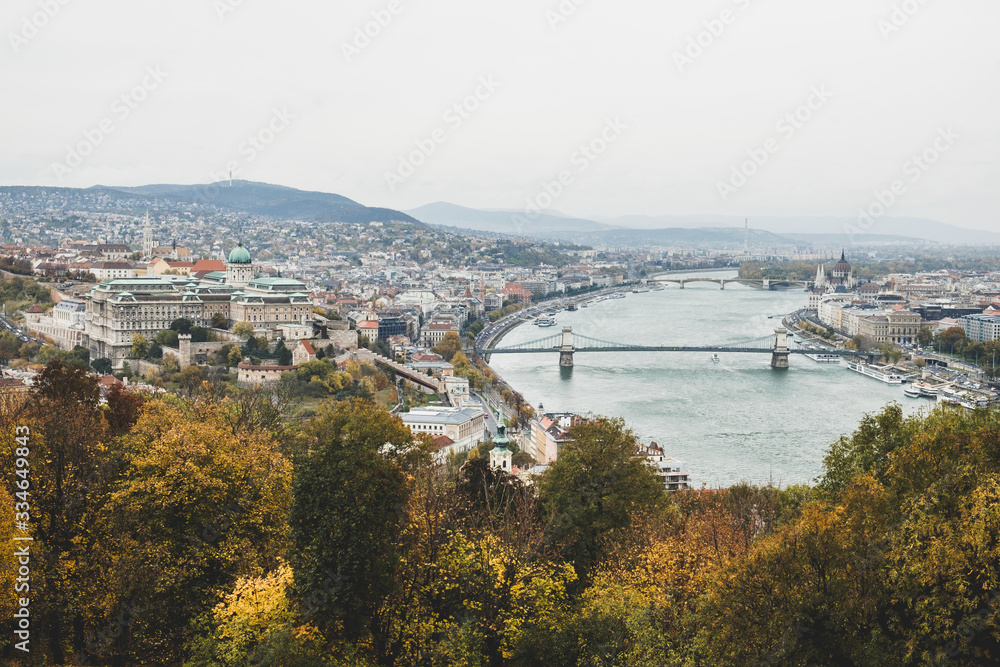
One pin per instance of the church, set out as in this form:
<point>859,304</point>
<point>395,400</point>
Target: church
<point>121,308</point>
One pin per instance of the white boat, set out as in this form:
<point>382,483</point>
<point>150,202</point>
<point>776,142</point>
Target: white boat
<point>924,389</point>
<point>912,392</point>
<point>886,374</point>
<point>546,321</point>
<point>824,357</point>
<point>715,358</point>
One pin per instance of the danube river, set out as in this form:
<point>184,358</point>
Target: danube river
<point>731,421</point>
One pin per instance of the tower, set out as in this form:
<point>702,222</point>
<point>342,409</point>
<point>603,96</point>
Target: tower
<point>148,242</point>
<point>820,276</point>
<point>239,268</point>
<point>500,456</point>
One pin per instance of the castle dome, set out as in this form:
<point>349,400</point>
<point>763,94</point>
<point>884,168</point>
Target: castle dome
<point>239,255</point>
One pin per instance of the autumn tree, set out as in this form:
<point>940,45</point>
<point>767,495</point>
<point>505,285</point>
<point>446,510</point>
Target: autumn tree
<point>195,508</point>
<point>448,346</point>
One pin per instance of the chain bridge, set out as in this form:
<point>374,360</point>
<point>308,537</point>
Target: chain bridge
<point>568,343</point>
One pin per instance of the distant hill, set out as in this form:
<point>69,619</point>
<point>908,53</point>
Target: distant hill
<point>675,236</point>
<point>844,229</point>
<point>502,222</point>
<point>274,201</point>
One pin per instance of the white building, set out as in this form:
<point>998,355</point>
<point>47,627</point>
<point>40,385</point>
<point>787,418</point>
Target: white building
<point>465,426</point>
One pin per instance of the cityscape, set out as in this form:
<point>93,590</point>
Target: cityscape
<point>573,335</point>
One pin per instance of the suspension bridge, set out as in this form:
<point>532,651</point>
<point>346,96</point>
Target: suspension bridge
<point>568,343</point>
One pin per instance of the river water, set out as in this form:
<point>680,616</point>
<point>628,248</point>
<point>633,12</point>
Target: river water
<point>731,421</point>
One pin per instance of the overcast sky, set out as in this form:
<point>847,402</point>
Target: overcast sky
<point>666,120</point>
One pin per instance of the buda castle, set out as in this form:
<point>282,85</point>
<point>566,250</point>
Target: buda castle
<point>118,309</point>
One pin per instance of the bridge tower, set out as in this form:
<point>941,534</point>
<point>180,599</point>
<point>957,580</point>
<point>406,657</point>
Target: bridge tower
<point>779,357</point>
<point>566,349</point>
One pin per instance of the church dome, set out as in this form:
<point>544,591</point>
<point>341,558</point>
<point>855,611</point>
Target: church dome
<point>239,255</point>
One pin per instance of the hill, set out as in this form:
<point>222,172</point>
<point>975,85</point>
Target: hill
<point>502,222</point>
<point>266,200</point>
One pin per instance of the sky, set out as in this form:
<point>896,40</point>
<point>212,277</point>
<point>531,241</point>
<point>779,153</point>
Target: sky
<point>590,107</point>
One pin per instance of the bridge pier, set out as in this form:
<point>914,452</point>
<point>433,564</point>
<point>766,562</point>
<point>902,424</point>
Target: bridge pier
<point>723,283</point>
<point>766,284</point>
<point>566,349</point>
<point>682,281</point>
<point>779,357</point>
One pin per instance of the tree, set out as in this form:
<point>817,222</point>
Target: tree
<point>952,339</point>
<point>140,347</point>
<point>867,450</point>
<point>243,329</point>
<point>196,508</point>
<point>102,365</point>
<point>181,325</point>
<point>167,338</point>
<point>925,336</point>
<point>190,379</point>
<point>220,321</point>
<point>594,487</point>
<point>66,429</point>
<point>235,356</point>
<point>284,354</point>
<point>348,510</point>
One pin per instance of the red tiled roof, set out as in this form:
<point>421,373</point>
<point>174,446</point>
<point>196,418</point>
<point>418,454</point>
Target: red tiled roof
<point>209,265</point>
<point>308,347</point>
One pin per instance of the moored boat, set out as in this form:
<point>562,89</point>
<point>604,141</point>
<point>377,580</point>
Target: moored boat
<point>886,374</point>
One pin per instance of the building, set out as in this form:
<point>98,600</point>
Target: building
<point>501,456</point>
<point>548,434</point>
<point>259,375</point>
<point>981,328</point>
<point>465,426</point>
<point>118,309</point>
<point>841,277</point>
<point>303,352</point>
<point>109,270</point>
<point>434,332</point>
<point>670,471</point>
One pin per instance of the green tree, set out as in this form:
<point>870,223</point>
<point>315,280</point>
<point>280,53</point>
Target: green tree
<point>167,338</point>
<point>243,329</point>
<point>348,510</point>
<point>594,487</point>
<point>140,347</point>
<point>220,321</point>
<point>181,325</point>
<point>235,356</point>
<point>102,365</point>
<point>925,336</point>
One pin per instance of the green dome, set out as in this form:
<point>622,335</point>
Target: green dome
<point>239,255</point>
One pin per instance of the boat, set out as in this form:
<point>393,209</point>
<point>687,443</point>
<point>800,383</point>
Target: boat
<point>912,392</point>
<point>886,374</point>
<point>925,389</point>
<point>715,358</point>
<point>824,357</point>
<point>585,305</point>
<point>571,307</point>
<point>545,322</point>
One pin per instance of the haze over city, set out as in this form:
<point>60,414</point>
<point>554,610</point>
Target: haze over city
<point>830,106</point>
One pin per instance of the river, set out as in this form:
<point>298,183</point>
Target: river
<point>731,421</point>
